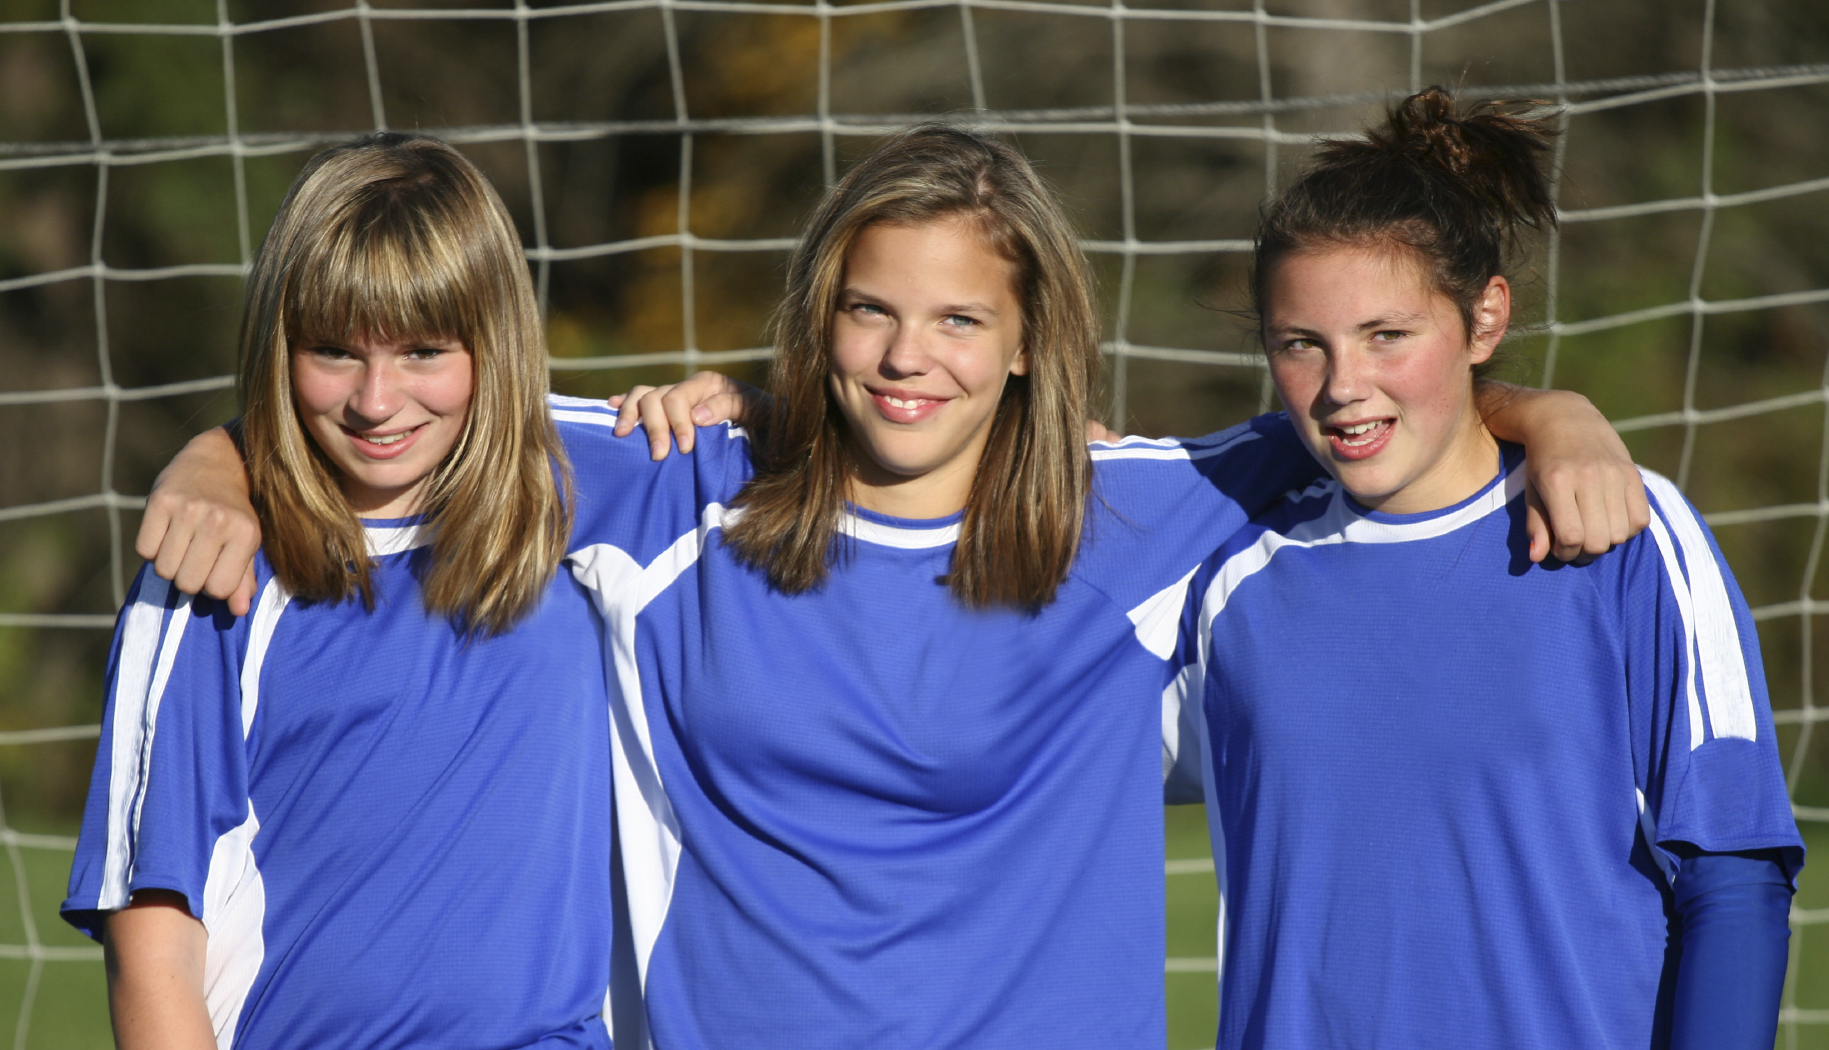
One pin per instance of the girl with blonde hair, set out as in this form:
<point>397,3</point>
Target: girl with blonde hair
<point>887,675</point>
<point>304,820</point>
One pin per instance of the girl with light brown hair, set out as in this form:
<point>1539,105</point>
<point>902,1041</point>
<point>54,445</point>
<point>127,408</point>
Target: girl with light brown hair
<point>887,678</point>
<point>304,819</point>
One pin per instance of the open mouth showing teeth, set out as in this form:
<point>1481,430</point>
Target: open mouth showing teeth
<point>388,439</point>
<point>899,403</point>
<point>1360,433</point>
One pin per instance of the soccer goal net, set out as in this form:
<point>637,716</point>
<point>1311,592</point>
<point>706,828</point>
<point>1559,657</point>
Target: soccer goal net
<point>658,155</point>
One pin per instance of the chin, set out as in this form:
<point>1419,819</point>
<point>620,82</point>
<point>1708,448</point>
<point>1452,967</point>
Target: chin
<point>1368,487</point>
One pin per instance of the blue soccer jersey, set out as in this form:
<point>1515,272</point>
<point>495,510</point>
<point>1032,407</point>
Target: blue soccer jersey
<point>394,835</point>
<point>1445,785</point>
<point>866,816</point>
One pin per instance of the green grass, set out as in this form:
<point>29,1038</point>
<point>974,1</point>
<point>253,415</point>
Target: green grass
<point>1193,910</point>
<point>69,1007</point>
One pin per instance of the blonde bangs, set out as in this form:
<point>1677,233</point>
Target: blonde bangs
<point>384,274</point>
<point>398,238</point>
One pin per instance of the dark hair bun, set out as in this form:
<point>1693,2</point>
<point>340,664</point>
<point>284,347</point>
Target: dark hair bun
<point>1490,148</point>
<point>1457,186</point>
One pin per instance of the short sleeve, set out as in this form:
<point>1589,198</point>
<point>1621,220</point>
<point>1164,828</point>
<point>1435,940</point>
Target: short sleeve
<point>1706,753</point>
<point>171,771</point>
<point>1159,507</point>
<point>627,501</point>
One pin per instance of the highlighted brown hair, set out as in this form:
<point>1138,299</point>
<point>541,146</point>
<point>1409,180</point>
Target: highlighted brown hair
<point>399,237</point>
<point>1457,187</point>
<point>1028,501</point>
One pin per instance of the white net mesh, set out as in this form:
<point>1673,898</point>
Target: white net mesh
<point>1677,294</point>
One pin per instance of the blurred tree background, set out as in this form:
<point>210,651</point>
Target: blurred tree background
<point>659,158</point>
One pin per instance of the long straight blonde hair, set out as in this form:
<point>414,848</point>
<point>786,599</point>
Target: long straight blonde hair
<point>398,237</point>
<point>1028,500</point>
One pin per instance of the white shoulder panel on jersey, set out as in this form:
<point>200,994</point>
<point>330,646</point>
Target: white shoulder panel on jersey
<point>273,601</point>
<point>649,831</point>
<point>1713,638</point>
<point>234,893</point>
<point>1339,523</point>
<point>1158,618</point>
<point>149,646</point>
<point>234,913</point>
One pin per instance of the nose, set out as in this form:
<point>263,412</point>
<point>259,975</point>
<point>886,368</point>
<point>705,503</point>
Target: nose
<point>1347,376</point>
<point>379,395</point>
<point>907,353</point>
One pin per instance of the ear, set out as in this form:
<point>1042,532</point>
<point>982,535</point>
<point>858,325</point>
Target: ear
<point>1020,366</point>
<point>1491,316</point>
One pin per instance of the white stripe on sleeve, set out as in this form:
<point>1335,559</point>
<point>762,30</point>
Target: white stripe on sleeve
<point>1716,652</point>
<point>138,668</point>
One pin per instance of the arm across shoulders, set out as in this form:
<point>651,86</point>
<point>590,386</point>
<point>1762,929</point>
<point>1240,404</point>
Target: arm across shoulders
<point>1161,505</point>
<point>625,499</point>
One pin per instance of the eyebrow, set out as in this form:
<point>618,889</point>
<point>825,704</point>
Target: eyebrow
<point>949,308</point>
<point>1393,319</point>
<point>1376,323</point>
<point>968,308</point>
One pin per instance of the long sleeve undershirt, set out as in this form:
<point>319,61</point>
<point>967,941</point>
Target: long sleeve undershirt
<point>1735,913</point>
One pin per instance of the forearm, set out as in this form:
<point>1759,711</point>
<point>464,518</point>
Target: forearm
<point>155,959</point>
<point>213,457</point>
<point>1735,913</point>
<point>200,530</point>
<point>1520,414</point>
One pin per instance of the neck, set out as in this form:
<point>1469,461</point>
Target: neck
<point>1463,469</point>
<point>384,503</point>
<point>935,494</point>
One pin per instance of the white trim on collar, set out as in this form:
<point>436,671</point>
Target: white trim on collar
<point>394,540</point>
<point>895,535</point>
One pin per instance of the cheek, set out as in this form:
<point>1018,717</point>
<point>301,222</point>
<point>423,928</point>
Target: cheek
<point>1298,380</point>
<point>1440,379</point>
<point>983,366</point>
<point>853,350</point>
<point>448,393</point>
<point>317,391</point>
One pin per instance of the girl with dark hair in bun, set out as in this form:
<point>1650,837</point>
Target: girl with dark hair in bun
<point>1457,799</point>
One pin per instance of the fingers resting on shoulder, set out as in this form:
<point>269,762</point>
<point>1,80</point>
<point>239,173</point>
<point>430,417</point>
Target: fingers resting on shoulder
<point>199,530</point>
<point>670,414</point>
<point>1591,505</point>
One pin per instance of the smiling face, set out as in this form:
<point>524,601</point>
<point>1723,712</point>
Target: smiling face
<point>928,331</point>
<point>387,414</point>
<point>1375,367</point>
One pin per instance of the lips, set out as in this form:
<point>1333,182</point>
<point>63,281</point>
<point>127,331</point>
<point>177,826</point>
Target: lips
<point>902,406</point>
<point>384,446</point>
<point>1360,440</point>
